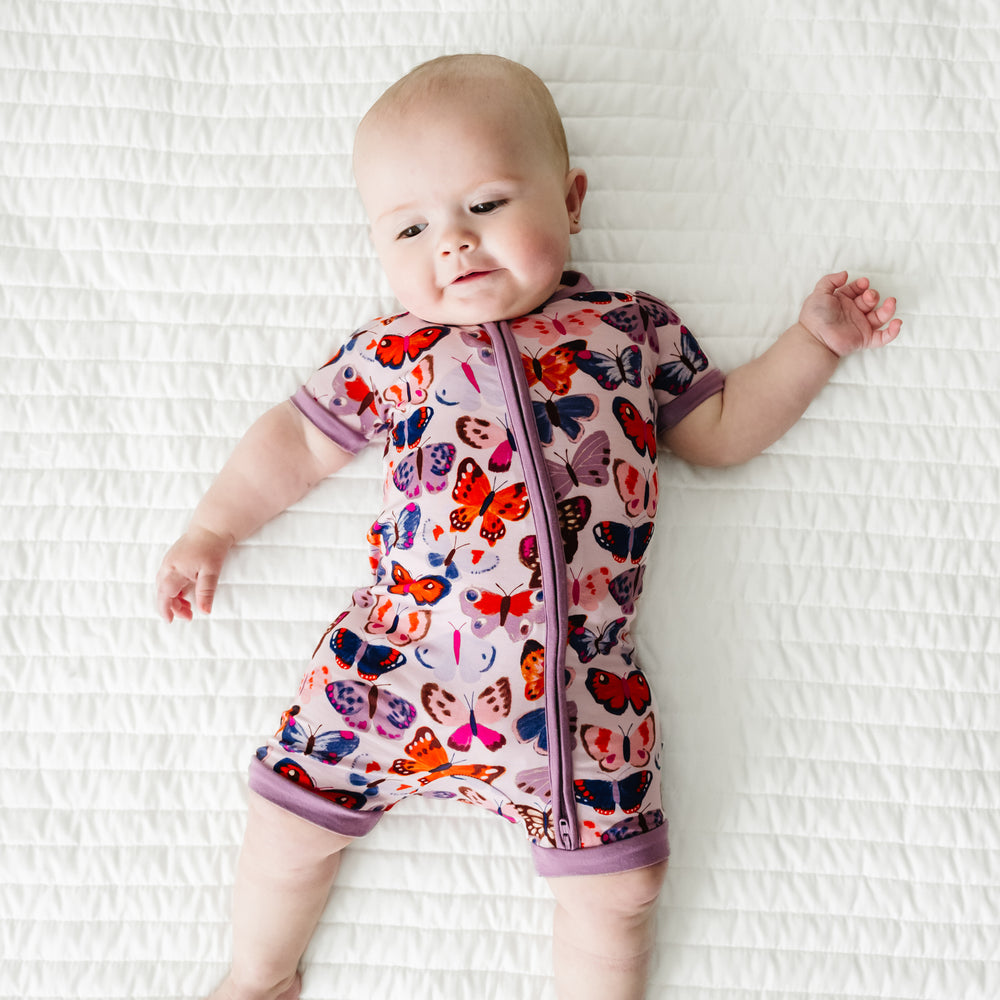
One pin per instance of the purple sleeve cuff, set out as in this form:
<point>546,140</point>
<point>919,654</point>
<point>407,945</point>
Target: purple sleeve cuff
<point>678,408</point>
<point>332,426</point>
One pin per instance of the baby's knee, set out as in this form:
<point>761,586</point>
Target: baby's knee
<point>636,891</point>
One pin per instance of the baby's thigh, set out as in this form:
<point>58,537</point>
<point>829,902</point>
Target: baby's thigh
<point>629,895</point>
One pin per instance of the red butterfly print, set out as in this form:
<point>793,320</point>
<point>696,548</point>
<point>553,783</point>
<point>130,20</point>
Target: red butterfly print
<point>640,432</point>
<point>429,759</point>
<point>518,613</point>
<point>424,590</point>
<point>393,350</point>
<point>476,498</point>
<point>616,693</point>
<point>555,368</point>
<point>533,669</point>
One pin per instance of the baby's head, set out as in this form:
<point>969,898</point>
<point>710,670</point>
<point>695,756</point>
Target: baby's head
<point>463,170</point>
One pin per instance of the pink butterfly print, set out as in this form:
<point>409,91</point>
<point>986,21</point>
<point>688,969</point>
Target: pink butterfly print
<point>551,328</point>
<point>467,385</point>
<point>401,626</point>
<point>468,656</point>
<point>587,467</point>
<point>614,750</point>
<point>491,706</point>
<point>587,591</point>
<point>479,433</point>
<point>413,388</point>
<point>639,493</point>
<point>366,706</point>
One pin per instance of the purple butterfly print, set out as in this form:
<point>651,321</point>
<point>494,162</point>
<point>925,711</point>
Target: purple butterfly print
<point>365,705</point>
<point>634,825</point>
<point>610,370</point>
<point>626,587</point>
<point>424,468</point>
<point>587,467</point>
<point>640,318</point>
<point>675,376</point>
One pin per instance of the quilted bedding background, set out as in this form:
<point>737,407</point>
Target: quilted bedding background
<point>180,246</point>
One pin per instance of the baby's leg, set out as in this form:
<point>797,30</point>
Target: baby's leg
<point>603,933</point>
<point>286,868</point>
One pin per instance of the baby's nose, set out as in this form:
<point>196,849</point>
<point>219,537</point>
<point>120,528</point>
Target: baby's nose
<point>457,240</point>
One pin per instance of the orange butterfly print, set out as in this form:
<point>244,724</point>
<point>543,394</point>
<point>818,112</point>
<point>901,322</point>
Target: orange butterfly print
<point>393,350</point>
<point>430,760</point>
<point>533,669</point>
<point>477,498</point>
<point>555,368</point>
<point>424,590</point>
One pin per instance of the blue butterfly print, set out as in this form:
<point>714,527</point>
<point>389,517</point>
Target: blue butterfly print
<point>675,376</point>
<point>604,796</point>
<point>587,643</point>
<point>531,728</point>
<point>328,747</point>
<point>370,659</point>
<point>399,533</point>
<point>611,370</point>
<point>409,431</point>
<point>424,468</point>
<point>624,541</point>
<point>566,412</point>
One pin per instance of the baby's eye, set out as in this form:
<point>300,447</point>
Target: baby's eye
<point>410,231</point>
<point>485,207</point>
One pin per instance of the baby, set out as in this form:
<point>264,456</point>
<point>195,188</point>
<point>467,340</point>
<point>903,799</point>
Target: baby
<point>489,657</point>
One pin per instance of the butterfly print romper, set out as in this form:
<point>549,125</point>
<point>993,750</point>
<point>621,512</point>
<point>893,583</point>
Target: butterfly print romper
<point>489,658</point>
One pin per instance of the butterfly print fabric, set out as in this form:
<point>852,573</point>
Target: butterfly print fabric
<point>489,658</point>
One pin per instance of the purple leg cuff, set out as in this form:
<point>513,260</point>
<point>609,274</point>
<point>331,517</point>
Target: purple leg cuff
<point>640,851</point>
<point>312,807</point>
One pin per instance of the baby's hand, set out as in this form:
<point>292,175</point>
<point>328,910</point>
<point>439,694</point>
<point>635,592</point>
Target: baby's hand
<point>193,561</point>
<point>847,318</point>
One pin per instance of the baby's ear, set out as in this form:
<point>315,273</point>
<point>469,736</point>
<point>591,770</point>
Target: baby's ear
<point>576,189</point>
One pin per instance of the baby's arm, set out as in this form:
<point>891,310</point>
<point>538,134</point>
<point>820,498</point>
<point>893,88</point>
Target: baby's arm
<point>765,397</point>
<point>277,462</point>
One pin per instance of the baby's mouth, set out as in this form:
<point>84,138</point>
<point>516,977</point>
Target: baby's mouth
<point>470,276</point>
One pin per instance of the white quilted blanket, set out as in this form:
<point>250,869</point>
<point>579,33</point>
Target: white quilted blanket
<point>180,245</point>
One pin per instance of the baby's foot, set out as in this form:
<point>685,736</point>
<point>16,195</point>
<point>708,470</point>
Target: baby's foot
<point>228,991</point>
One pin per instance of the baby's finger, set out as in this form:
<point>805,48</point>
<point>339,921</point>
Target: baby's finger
<point>204,594</point>
<point>829,283</point>
<point>884,313</point>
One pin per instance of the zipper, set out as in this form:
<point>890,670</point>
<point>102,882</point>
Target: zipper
<point>552,562</point>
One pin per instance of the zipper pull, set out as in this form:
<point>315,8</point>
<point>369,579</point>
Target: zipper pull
<point>565,837</point>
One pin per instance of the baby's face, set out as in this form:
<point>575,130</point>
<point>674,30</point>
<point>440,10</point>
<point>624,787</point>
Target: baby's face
<point>470,213</point>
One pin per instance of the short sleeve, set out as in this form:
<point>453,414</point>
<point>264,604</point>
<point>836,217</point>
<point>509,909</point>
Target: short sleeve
<point>342,398</point>
<point>684,376</point>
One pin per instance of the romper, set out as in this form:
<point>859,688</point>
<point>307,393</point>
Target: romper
<point>489,659</point>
